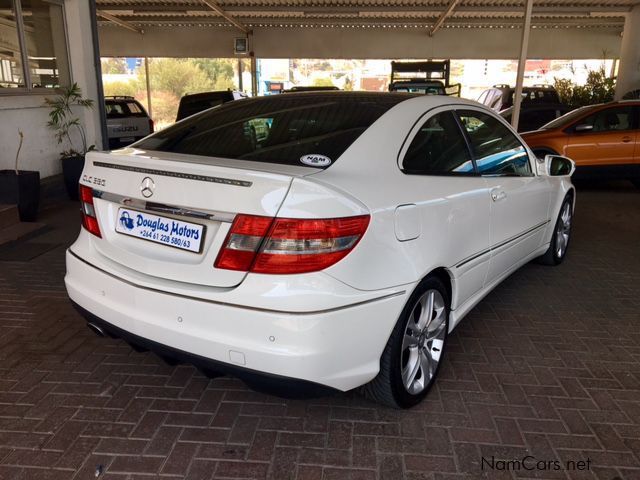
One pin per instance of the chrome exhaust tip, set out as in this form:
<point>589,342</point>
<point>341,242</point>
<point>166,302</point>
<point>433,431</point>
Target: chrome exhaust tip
<point>96,329</point>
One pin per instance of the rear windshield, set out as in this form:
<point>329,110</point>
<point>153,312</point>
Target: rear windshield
<point>311,129</point>
<point>123,108</point>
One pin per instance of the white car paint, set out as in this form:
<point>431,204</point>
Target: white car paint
<point>331,326</point>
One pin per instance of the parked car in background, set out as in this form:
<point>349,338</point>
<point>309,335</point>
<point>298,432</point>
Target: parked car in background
<point>603,140</point>
<point>337,250</point>
<point>127,121</point>
<point>198,102</point>
<point>500,97</point>
<point>533,115</point>
<point>426,78</point>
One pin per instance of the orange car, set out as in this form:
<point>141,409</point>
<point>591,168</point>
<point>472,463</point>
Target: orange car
<point>603,140</point>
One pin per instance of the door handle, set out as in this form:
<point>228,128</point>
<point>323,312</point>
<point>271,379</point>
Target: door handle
<point>626,139</point>
<point>497,195</point>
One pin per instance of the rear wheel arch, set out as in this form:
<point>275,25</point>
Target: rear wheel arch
<point>442,274</point>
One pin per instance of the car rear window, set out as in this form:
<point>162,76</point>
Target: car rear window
<point>124,108</point>
<point>311,129</point>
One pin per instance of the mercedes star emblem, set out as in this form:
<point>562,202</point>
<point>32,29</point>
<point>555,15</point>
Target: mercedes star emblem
<point>147,186</point>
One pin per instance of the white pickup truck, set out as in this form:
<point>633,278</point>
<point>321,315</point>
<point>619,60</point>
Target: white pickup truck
<point>127,121</point>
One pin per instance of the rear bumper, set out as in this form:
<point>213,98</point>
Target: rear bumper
<point>268,383</point>
<point>336,349</point>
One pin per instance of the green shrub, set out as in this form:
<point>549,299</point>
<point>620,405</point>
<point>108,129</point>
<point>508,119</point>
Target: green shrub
<point>599,88</point>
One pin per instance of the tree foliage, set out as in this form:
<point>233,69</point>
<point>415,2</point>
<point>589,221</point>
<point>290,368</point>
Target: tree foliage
<point>113,65</point>
<point>171,79</point>
<point>322,82</point>
<point>130,88</point>
<point>599,88</point>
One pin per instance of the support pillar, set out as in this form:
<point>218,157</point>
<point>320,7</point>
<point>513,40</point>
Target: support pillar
<point>629,67</point>
<point>522,63</point>
<point>148,82</point>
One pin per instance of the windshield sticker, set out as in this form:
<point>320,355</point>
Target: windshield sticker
<point>315,160</point>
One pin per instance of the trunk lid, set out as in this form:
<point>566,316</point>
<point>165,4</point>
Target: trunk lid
<point>185,191</point>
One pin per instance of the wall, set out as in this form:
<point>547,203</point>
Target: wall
<point>361,43</point>
<point>40,150</point>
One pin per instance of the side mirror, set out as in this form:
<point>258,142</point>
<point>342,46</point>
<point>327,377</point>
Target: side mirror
<point>558,166</point>
<point>583,127</point>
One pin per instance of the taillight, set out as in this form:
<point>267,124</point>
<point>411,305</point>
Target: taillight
<point>289,245</point>
<point>89,218</point>
<point>242,242</point>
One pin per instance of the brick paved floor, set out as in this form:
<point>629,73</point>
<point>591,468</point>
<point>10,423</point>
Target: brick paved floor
<point>548,365</point>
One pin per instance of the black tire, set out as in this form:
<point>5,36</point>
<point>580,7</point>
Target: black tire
<point>551,256</point>
<point>387,387</point>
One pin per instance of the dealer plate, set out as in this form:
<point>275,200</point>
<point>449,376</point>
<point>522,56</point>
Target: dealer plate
<point>163,230</point>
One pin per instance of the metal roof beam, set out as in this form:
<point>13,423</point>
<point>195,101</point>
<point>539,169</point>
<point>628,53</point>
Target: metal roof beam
<point>448,11</point>
<point>213,5</point>
<point>314,10</point>
<point>117,21</point>
<point>369,22</point>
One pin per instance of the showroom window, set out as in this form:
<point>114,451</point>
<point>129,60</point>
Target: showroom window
<point>439,148</point>
<point>497,150</point>
<point>33,46</point>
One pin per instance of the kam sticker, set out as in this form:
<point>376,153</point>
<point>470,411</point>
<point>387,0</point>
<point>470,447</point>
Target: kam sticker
<point>315,160</point>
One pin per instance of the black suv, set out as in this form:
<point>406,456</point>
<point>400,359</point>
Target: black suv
<point>500,97</point>
<point>198,102</point>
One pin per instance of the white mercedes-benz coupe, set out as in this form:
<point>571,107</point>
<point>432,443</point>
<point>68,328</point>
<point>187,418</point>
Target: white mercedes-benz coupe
<point>314,242</point>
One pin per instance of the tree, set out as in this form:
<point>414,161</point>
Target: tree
<point>119,87</point>
<point>322,82</point>
<point>599,88</point>
<point>178,76</point>
<point>113,65</point>
<point>220,71</point>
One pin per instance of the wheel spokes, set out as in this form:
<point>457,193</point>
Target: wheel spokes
<point>427,309</point>
<point>411,369</point>
<point>423,341</point>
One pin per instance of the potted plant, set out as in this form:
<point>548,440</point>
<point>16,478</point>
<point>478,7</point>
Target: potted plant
<point>68,126</point>
<point>21,188</point>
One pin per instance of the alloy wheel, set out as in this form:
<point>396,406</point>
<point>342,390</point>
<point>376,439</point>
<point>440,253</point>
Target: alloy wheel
<point>563,230</point>
<point>423,341</point>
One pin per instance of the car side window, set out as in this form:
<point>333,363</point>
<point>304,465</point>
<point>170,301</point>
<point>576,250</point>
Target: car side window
<point>610,120</point>
<point>438,148</point>
<point>497,150</point>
